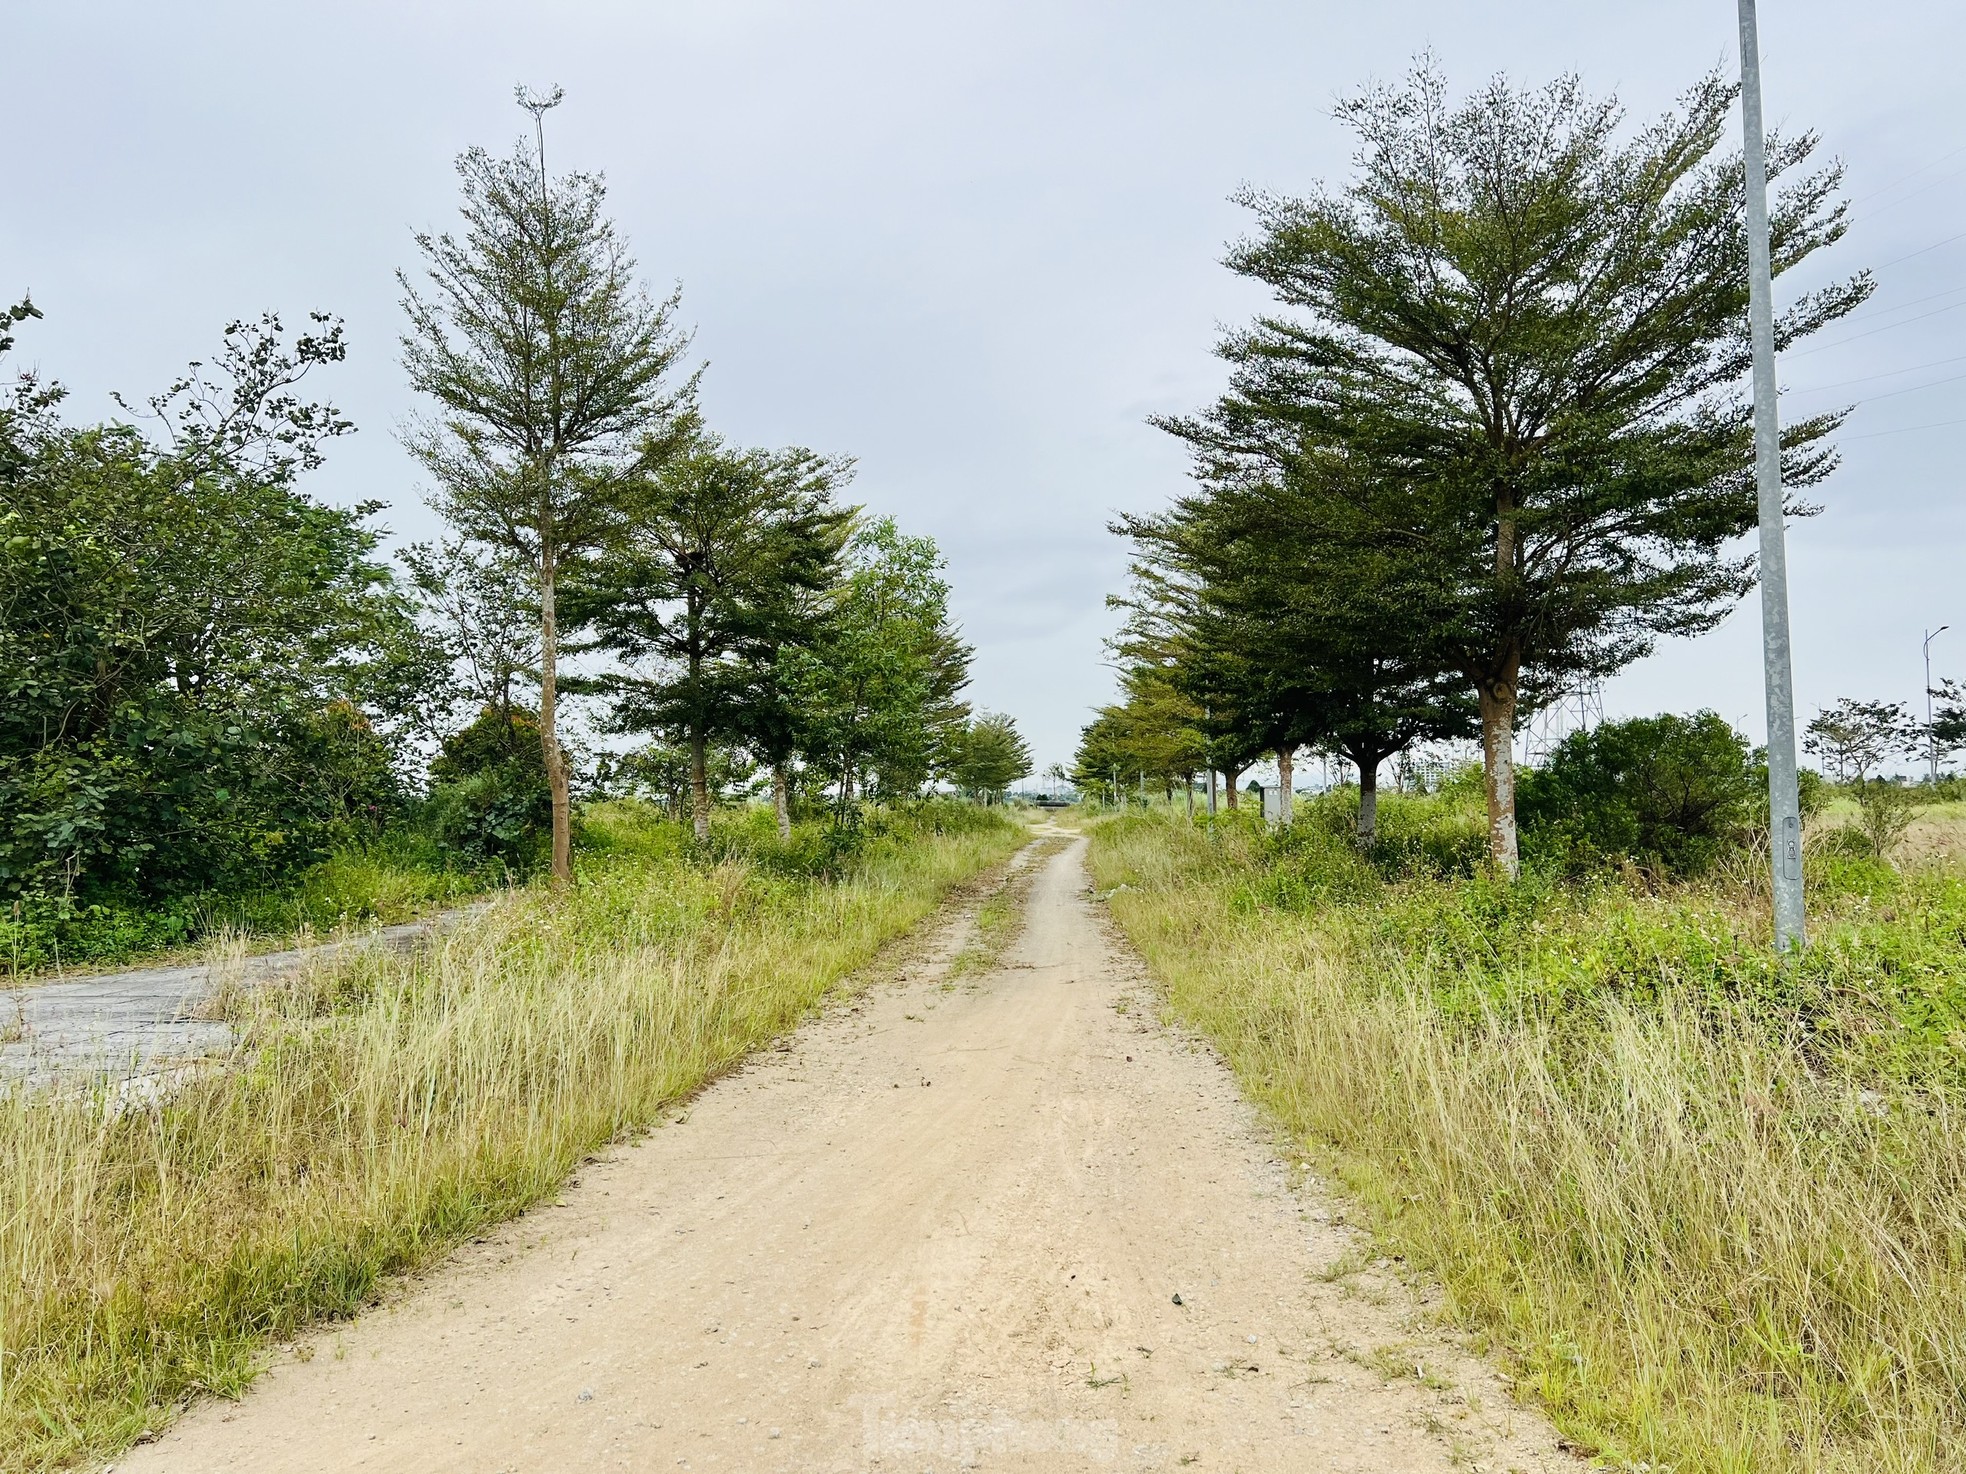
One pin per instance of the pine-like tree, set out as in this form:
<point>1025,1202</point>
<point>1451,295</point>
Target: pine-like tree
<point>550,367</point>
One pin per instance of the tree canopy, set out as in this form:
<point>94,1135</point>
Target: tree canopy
<point>186,639</point>
<point>550,366</point>
<point>1504,377</point>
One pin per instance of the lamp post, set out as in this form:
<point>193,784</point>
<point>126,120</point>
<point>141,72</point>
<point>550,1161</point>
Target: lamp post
<point>1931,738</point>
<point>1784,806</point>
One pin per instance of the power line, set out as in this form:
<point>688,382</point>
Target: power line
<point>1930,164</point>
<point>1920,251</point>
<point>1867,378</point>
<point>1905,429</point>
<point>1871,312</point>
<point>1912,388</point>
<point>1910,194</point>
<point>1871,332</point>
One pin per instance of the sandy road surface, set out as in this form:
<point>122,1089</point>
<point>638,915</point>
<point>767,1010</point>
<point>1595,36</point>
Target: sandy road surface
<point>943,1228</point>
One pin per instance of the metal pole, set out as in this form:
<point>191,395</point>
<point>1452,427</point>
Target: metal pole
<point>1784,807</point>
<point>1931,738</point>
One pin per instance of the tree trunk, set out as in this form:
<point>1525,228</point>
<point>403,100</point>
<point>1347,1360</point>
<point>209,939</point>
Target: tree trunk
<point>1188,787</point>
<point>1368,803</point>
<point>1230,776</point>
<point>781,801</point>
<point>1497,698</point>
<point>549,734</point>
<point>1286,804</point>
<point>699,783</point>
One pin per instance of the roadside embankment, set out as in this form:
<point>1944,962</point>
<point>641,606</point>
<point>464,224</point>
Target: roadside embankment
<point>1713,1207</point>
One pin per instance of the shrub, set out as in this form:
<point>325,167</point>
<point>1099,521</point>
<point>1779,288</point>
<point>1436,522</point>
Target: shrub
<point>1667,792</point>
<point>1884,813</point>
<point>490,799</point>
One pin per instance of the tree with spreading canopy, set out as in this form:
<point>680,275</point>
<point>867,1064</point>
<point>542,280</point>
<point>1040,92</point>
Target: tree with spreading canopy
<point>1948,732</point>
<point>720,556</point>
<point>188,642</point>
<point>1524,337</point>
<point>987,756</point>
<point>877,681</point>
<point>1858,737</point>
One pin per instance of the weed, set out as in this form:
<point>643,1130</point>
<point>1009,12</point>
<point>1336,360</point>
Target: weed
<point>1709,1203</point>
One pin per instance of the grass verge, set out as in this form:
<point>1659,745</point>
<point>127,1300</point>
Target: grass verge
<point>395,877</point>
<point>382,1108</point>
<point>1714,1210</point>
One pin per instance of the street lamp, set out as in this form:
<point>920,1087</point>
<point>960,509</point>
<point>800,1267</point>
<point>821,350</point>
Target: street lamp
<point>1784,808</point>
<point>1931,738</point>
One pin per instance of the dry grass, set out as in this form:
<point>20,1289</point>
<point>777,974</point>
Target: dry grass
<point>383,1107</point>
<point>1706,1245</point>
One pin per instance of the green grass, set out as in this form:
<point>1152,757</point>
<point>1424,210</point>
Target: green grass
<point>1713,1209</point>
<point>397,876</point>
<point>385,1107</point>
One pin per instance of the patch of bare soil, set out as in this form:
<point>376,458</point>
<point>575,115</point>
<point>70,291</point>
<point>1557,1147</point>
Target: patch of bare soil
<point>1003,1220</point>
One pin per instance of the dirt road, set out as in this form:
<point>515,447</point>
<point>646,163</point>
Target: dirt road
<point>1000,1221</point>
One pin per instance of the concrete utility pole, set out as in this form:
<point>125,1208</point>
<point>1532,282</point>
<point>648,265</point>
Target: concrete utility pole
<point>1931,739</point>
<point>1784,806</point>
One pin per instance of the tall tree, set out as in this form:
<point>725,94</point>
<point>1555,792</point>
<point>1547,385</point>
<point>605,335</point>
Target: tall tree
<point>1312,642</point>
<point>1172,638</point>
<point>988,755</point>
<point>475,605</point>
<point>1948,731</point>
<point>704,587</point>
<point>1528,336</point>
<point>879,681</point>
<point>550,366</point>
<point>1859,737</point>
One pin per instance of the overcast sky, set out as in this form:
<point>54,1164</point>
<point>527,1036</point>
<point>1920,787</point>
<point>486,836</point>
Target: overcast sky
<point>973,245</point>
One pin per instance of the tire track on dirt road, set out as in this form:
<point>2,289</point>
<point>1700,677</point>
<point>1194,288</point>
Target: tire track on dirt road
<point>1009,1221</point>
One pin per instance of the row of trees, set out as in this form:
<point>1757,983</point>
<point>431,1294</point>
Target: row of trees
<point>1491,441</point>
<point>208,678</point>
<point>1857,739</point>
<point>736,600</point>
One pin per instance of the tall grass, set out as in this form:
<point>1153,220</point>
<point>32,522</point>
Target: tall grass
<point>1716,1213</point>
<point>381,1108</point>
<point>391,877</point>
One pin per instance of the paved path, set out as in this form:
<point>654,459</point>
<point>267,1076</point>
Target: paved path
<point>1009,1222</point>
<point>127,1025</point>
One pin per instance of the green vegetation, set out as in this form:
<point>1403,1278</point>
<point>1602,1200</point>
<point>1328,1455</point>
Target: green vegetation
<point>987,756</point>
<point>195,659</point>
<point>220,711</point>
<point>385,1107</point>
<point>1489,440</point>
<point>1666,792</point>
<point>1710,1204</point>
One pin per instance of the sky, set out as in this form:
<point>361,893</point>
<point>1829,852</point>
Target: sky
<point>974,246</point>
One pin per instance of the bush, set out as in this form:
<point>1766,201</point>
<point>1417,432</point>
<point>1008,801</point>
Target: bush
<point>1668,793</point>
<point>489,798</point>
